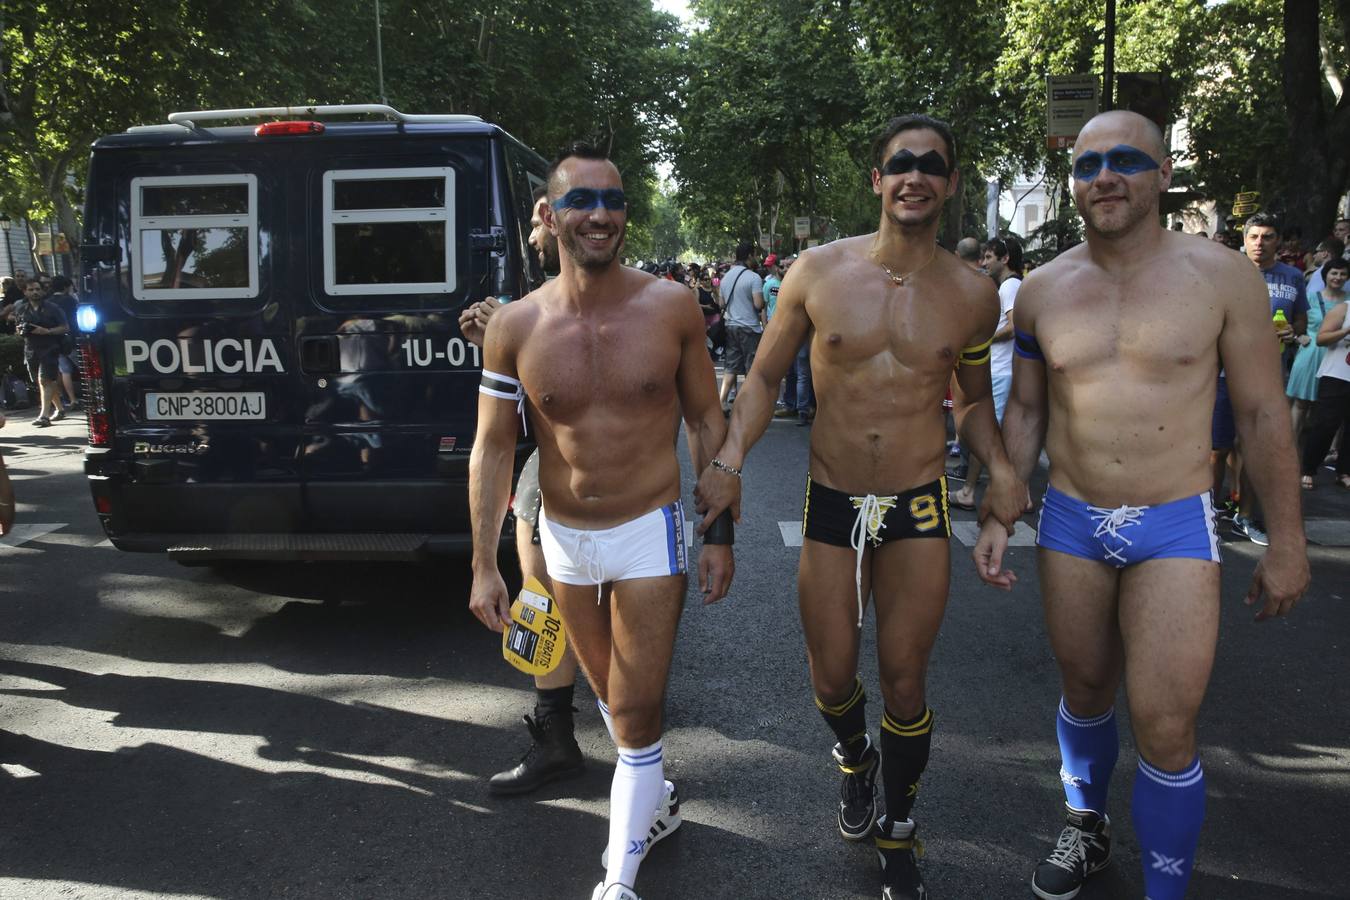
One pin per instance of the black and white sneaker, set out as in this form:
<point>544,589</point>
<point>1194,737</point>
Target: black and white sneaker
<point>1084,848</point>
<point>899,850</point>
<point>664,822</point>
<point>858,793</point>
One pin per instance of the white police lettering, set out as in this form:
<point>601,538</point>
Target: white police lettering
<point>425,352</point>
<point>188,357</point>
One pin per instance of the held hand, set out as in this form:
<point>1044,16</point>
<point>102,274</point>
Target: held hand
<point>715,492</point>
<point>1282,577</point>
<point>716,568</point>
<point>988,554</point>
<point>1005,500</point>
<point>489,601</point>
<point>473,321</point>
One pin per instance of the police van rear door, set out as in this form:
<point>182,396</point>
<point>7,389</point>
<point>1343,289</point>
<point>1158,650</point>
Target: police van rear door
<point>389,382</point>
<point>200,337</point>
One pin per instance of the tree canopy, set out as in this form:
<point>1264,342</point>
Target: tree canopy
<point>762,109</point>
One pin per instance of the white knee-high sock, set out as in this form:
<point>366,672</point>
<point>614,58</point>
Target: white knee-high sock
<point>609,720</point>
<point>639,784</point>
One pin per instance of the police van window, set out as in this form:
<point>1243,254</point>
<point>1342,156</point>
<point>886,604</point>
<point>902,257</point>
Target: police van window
<point>389,231</point>
<point>194,237</point>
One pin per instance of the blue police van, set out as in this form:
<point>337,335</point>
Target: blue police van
<point>268,327</point>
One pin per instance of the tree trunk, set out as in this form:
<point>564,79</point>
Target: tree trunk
<point>1318,161</point>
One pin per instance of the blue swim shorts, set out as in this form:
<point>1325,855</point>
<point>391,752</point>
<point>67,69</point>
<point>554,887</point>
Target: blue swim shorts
<point>1182,529</point>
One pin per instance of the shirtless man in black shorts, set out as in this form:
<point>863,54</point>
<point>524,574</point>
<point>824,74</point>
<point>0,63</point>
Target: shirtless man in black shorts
<point>1118,344</point>
<point>893,316</point>
<point>603,358</point>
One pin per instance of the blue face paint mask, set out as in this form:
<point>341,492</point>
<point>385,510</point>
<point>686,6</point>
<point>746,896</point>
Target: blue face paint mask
<point>1121,159</point>
<point>583,199</point>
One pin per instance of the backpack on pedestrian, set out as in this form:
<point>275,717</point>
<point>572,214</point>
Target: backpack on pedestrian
<point>14,392</point>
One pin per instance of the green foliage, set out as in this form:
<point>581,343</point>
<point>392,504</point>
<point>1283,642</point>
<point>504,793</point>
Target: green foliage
<point>75,69</point>
<point>657,234</point>
<point>1238,132</point>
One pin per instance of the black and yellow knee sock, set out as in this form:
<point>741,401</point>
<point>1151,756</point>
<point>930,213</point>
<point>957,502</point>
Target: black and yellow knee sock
<point>848,720</point>
<point>904,755</point>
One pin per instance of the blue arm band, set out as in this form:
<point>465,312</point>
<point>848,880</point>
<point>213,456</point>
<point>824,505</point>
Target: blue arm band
<point>1026,346</point>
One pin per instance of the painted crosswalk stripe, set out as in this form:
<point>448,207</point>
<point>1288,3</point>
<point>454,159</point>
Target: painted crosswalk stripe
<point>22,534</point>
<point>792,533</point>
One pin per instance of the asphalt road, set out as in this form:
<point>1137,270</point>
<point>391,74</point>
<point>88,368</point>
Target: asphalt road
<point>325,731</point>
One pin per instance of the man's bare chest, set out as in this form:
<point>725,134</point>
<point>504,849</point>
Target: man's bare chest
<point>574,368</point>
<point>918,331</point>
<point>1151,326</point>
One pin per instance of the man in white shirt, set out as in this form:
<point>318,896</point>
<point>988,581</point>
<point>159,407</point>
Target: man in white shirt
<point>1002,259</point>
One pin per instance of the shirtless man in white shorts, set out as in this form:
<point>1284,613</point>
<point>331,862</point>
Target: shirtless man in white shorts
<point>604,359</point>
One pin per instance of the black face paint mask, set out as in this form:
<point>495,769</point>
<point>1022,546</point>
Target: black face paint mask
<point>931,163</point>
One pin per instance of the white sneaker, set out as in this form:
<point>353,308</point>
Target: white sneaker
<point>665,820</point>
<point>615,892</point>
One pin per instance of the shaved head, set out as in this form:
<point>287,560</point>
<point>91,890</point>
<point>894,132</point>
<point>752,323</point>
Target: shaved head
<point>1142,132</point>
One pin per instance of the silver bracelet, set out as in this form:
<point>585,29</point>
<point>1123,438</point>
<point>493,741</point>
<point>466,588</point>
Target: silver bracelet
<point>723,467</point>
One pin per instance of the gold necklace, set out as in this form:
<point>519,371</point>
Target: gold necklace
<point>899,280</point>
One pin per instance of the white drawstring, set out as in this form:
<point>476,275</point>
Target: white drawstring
<point>1110,521</point>
<point>871,519</point>
<point>591,557</point>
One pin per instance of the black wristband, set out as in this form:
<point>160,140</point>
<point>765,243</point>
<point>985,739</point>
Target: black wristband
<point>721,531</point>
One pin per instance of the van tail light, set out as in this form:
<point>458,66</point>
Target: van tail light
<point>95,394</point>
<point>272,129</point>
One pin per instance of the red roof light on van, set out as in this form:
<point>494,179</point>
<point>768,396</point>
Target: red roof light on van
<point>271,129</point>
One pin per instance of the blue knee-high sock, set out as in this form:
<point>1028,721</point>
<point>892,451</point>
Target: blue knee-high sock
<point>1087,751</point>
<point>1169,808</point>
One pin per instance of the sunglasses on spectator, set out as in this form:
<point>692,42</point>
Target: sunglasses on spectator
<point>589,198</point>
<point>931,163</point>
<point>1121,159</point>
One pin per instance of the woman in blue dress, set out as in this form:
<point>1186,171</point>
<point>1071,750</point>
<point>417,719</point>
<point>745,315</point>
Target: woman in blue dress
<point>1302,387</point>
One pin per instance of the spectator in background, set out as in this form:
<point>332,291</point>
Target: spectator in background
<point>1332,409</point>
<point>773,279</point>
<point>63,298</point>
<point>12,293</point>
<point>968,251</point>
<point>1341,232</point>
<point>1003,261</point>
<point>1288,291</point>
<point>41,324</point>
<point>1303,375</point>
<point>743,306</point>
<point>1327,250</point>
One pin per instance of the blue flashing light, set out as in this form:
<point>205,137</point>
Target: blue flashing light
<point>86,319</point>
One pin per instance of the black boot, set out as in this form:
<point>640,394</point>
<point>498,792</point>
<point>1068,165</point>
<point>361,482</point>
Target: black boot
<point>553,754</point>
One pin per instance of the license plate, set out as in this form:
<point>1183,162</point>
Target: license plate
<point>198,405</point>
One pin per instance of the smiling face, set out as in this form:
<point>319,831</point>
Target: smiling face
<point>914,199</point>
<point>1113,203</point>
<point>1336,278</point>
<point>592,237</point>
<point>991,263</point>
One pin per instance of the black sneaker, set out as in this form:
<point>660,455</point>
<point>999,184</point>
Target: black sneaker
<point>899,852</point>
<point>1084,847</point>
<point>858,794</point>
<point>553,754</point>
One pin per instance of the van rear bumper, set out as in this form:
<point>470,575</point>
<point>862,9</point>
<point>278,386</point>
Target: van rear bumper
<point>294,547</point>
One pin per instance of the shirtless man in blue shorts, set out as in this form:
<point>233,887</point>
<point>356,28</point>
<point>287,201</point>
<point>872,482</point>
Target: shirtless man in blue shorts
<point>891,316</point>
<point>1118,345</point>
<point>604,359</point>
